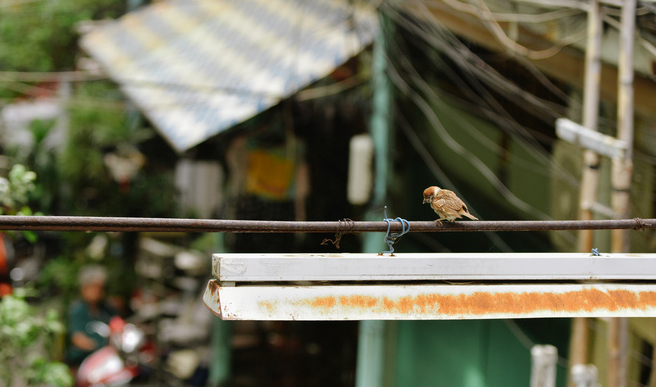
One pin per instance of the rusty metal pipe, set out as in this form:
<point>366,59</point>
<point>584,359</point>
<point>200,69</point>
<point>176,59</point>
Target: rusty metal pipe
<point>109,224</point>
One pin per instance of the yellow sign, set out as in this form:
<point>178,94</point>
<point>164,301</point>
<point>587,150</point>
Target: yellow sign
<point>269,175</point>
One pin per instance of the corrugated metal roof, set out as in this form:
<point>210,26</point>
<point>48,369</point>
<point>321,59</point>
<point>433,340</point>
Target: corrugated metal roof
<point>198,67</point>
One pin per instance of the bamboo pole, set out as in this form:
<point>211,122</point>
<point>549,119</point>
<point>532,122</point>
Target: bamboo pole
<point>652,376</point>
<point>590,174</point>
<point>579,343</point>
<point>622,171</point>
<point>618,346</point>
<point>623,167</point>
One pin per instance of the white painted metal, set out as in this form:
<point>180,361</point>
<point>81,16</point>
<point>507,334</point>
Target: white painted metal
<point>430,302</point>
<point>590,139</point>
<point>425,266</point>
<point>543,365</point>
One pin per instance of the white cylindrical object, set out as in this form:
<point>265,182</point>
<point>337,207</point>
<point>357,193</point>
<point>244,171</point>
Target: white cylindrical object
<point>360,171</point>
<point>543,366</point>
<point>584,375</point>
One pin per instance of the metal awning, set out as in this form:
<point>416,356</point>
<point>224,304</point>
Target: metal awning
<point>198,67</point>
<point>431,286</point>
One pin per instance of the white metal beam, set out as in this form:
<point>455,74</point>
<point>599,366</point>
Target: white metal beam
<point>426,266</point>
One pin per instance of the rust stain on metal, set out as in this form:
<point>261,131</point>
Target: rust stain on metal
<point>213,289</point>
<point>268,305</point>
<point>358,301</point>
<point>484,303</point>
<point>324,302</point>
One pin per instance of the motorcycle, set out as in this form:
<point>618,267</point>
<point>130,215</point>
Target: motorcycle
<point>118,362</point>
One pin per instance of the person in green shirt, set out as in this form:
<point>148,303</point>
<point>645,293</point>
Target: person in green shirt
<point>91,307</point>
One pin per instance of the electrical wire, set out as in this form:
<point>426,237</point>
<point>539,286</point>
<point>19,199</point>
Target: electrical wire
<point>574,4</point>
<point>36,91</point>
<point>15,3</point>
<point>443,134</point>
<point>642,41</point>
<point>52,76</point>
<point>467,60</point>
<point>474,160</point>
<point>332,89</point>
<point>439,128</point>
<point>478,65</point>
<point>509,17</point>
<point>463,51</point>
<point>483,13</point>
<point>527,342</point>
<point>458,52</point>
<point>432,165</point>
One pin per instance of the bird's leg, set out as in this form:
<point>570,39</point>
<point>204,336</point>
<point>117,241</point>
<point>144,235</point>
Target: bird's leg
<point>439,222</point>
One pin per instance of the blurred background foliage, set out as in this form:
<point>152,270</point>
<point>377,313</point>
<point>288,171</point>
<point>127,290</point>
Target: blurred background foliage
<point>28,336</point>
<point>64,171</point>
<point>41,35</point>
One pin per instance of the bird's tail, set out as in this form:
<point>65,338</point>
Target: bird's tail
<point>470,216</point>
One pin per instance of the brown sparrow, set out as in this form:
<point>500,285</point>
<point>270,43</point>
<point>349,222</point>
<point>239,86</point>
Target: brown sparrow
<point>446,204</point>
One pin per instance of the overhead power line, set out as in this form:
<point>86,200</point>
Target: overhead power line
<point>117,224</point>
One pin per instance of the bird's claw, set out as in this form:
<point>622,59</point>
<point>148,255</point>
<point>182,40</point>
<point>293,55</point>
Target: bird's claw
<point>439,222</point>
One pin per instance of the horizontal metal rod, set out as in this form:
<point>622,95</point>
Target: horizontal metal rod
<point>116,224</point>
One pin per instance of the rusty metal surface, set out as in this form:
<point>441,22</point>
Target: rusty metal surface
<point>430,302</point>
<point>83,223</point>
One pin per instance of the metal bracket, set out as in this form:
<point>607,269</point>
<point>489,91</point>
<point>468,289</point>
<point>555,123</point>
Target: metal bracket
<point>599,208</point>
<point>590,139</point>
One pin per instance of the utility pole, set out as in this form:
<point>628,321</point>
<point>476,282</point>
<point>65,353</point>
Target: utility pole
<point>374,345</point>
<point>622,172</point>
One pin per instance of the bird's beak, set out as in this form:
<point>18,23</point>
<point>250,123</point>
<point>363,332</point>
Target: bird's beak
<point>426,200</point>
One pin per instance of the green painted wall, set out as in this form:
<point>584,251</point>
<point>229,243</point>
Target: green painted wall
<point>468,353</point>
<point>526,171</point>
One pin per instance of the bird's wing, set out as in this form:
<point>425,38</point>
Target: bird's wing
<point>449,200</point>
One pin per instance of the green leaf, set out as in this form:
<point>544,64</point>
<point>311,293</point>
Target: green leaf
<point>30,236</point>
<point>57,375</point>
<point>13,309</point>
<point>52,322</point>
<point>25,210</point>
